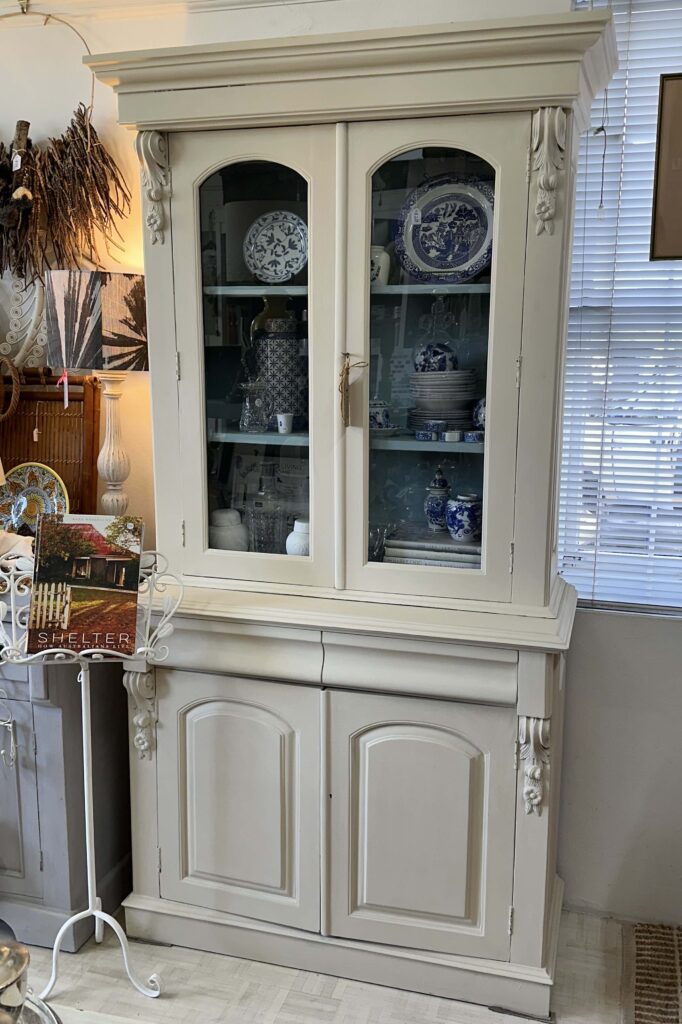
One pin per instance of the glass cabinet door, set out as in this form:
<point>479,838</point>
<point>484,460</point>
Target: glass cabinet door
<point>264,261</point>
<point>438,307</point>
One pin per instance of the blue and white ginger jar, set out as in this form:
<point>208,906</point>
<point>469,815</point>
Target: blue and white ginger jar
<point>463,517</point>
<point>436,502</point>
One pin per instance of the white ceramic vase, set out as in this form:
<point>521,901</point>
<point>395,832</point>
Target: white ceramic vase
<point>298,541</point>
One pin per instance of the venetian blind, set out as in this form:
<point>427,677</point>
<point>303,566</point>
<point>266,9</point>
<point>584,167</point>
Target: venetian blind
<point>620,529</point>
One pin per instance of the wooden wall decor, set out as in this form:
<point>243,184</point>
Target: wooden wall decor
<point>68,439</point>
<point>666,219</point>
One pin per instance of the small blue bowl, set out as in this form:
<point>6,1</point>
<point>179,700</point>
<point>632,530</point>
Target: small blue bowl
<point>423,435</point>
<point>474,436</point>
<point>436,426</point>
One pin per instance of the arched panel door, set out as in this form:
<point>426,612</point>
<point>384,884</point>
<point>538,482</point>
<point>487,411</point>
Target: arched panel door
<point>422,814</point>
<point>253,259</point>
<point>239,797</point>
<point>436,244</point>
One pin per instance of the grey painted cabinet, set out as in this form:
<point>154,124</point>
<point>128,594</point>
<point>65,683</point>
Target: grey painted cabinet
<point>239,769</point>
<point>422,822</point>
<point>42,845</point>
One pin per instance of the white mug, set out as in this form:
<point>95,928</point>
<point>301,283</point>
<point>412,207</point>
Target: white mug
<point>285,422</point>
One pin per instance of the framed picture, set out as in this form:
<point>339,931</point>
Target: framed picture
<point>666,221</point>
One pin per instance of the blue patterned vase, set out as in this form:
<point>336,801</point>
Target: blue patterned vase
<point>436,502</point>
<point>463,517</point>
<point>479,414</point>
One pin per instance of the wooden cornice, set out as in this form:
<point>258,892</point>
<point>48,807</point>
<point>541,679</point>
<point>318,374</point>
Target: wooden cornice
<point>559,60</point>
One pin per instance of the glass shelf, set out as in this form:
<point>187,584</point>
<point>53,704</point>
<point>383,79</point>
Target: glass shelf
<point>247,291</point>
<point>241,437</point>
<point>430,289</point>
<point>410,444</point>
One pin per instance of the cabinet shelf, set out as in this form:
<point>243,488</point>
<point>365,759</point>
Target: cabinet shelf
<point>247,291</point>
<point>410,444</point>
<point>241,437</point>
<point>430,289</point>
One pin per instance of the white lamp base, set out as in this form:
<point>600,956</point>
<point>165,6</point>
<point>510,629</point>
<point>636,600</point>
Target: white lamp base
<point>113,464</point>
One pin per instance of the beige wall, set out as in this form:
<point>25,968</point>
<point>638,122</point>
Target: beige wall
<point>621,842</point>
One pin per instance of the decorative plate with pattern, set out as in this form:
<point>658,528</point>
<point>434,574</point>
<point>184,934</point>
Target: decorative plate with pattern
<point>445,229</point>
<point>31,489</point>
<point>276,246</point>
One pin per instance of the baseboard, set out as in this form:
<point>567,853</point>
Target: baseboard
<point>37,924</point>
<point>489,982</point>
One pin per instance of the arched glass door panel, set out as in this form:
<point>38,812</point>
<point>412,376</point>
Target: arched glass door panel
<point>430,259</point>
<point>254,268</point>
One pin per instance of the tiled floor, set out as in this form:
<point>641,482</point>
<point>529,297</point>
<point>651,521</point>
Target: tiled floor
<point>203,988</point>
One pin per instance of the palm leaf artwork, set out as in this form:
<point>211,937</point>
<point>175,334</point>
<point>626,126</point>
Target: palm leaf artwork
<point>124,322</point>
<point>73,319</point>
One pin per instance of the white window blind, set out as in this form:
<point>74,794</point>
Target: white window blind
<point>620,526</point>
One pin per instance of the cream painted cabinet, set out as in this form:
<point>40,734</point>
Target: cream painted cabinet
<point>422,810</point>
<point>356,259</point>
<point>239,797</point>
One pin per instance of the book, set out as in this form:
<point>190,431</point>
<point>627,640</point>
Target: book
<point>438,562</point>
<point>85,584</point>
<point>448,556</point>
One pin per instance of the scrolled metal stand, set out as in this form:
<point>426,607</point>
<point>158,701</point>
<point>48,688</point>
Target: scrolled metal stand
<point>160,593</point>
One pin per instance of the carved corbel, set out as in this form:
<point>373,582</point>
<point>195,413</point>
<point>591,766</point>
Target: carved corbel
<point>548,146</point>
<point>141,687</point>
<point>534,751</point>
<point>152,152</point>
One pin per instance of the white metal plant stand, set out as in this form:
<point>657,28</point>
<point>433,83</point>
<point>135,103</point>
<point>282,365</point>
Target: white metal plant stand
<point>160,593</point>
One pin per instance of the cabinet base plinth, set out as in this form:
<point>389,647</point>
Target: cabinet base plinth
<point>515,987</point>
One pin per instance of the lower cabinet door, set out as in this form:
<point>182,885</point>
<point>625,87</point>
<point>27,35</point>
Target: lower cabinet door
<point>422,810</point>
<point>20,859</point>
<point>238,780</point>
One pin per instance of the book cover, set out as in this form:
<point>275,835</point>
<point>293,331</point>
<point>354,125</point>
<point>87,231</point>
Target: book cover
<point>85,583</point>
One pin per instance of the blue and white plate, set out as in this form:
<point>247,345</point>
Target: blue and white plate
<point>276,246</point>
<point>445,231</point>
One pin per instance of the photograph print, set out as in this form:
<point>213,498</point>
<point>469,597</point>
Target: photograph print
<point>95,320</point>
<point>85,587</point>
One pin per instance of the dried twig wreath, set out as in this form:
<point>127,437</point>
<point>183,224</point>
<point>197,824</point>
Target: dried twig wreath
<point>58,200</point>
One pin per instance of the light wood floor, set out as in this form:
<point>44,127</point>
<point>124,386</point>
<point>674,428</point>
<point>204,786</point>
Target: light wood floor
<point>203,988</point>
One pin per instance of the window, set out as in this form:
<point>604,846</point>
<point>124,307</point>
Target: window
<point>620,527</point>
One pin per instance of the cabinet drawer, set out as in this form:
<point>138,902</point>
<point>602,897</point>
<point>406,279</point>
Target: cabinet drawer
<point>422,822</point>
<point>239,797</point>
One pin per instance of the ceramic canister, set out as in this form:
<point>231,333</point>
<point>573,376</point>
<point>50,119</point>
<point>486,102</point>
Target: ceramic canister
<point>279,364</point>
<point>463,517</point>
<point>298,541</point>
<point>436,501</point>
<point>228,532</point>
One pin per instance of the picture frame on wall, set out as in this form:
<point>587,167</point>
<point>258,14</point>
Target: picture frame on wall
<point>666,220</point>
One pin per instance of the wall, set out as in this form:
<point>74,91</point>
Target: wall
<point>621,825</point>
<point>621,841</point>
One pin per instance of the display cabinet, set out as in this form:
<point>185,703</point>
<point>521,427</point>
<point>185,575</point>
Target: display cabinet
<point>357,250</point>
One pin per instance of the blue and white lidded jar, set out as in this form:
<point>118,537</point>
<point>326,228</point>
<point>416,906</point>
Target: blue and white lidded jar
<point>436,502</point>
<point>379,414</point>
<point>463,517</point>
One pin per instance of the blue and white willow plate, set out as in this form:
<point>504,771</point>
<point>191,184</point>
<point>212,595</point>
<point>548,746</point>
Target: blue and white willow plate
<point>445,230</point>
<point>276,246</point>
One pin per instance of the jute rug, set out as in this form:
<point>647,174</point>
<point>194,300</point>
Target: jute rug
<point>652,974</point>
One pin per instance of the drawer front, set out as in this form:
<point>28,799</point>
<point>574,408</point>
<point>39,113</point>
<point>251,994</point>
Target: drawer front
<point>422,822</point>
